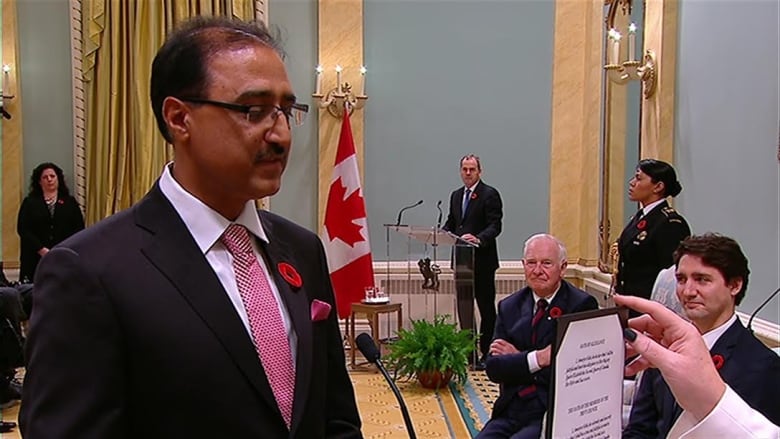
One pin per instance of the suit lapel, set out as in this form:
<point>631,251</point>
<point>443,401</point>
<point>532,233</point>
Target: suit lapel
<point>296,300</point>
<point>725,347</point>
<point>174,252</point>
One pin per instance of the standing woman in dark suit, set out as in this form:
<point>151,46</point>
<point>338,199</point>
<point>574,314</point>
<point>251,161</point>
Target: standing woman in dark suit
<point>647,243</point>
<point>48,216</point>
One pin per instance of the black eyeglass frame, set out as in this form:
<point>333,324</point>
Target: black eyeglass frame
<point>248,109</point>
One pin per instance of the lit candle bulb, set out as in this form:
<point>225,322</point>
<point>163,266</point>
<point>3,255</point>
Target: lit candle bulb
<point>632,42</point>
<point>615,55</point>
<point>318,87</point>
<point>362,81</point>
<point>338,79</point>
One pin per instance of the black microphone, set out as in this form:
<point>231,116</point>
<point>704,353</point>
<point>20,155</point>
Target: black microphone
<point>398,222</point>
<point>438,221</point>
<point>760,307</point>
<point>369,350</point>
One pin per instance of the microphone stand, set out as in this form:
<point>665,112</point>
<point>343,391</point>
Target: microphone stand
<point>760,307</point>
<point>397,393</point>
<point>369,350</point>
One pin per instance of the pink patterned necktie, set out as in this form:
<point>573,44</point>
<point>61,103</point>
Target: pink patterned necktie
<point>265,320</point>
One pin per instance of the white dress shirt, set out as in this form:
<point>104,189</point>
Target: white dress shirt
<point>533,362</point>
<point>206,227</point>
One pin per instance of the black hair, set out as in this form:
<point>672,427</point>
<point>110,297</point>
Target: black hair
<point>663,172</point>
<point>471,156</point>
<point>35,180</point>
<point>721,253</point>
<point>180,67</point>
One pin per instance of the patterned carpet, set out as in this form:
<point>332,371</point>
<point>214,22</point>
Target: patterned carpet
<point>458,412</point>
<point>455,412</point>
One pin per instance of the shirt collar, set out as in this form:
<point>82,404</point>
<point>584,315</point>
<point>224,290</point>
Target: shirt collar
<point>649,207</point>
<point>712,336</point>
<point>474,186</point>
<point>548,299</point>
<point>204,223</point>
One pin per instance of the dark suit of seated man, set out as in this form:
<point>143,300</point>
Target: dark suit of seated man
<point>519,357</point>
<point>712,276</point>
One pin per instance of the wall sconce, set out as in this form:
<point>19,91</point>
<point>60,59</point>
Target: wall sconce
<point>630,69</point>
<point>342,97</point>
<point>3,96</point>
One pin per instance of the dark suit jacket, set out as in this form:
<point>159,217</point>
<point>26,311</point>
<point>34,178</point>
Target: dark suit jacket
<point>38,229</point>
<point>749,367</point>
<point>482,219</point>
<point>648,248</point>
<point>133,335</point>
<point>514,325</point>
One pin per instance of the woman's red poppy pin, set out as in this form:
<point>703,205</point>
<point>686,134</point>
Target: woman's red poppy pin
<point>641,224</point>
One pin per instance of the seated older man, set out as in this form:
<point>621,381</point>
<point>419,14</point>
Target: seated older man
<point>519,356</point>
<point>712,277</point>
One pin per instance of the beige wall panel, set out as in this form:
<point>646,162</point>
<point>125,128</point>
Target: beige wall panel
<point>576,121</point>
<point>658,111</point>
<point>340,43</point>
<point>12,178</point>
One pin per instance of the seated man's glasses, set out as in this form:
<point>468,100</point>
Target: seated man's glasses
<point>545,263</point>
<point>295,113</point>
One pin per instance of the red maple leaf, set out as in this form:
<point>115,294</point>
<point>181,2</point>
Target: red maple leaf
<point>340,214</point>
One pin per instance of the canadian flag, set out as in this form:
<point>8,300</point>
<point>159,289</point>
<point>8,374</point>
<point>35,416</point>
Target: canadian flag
<point>345,232</point>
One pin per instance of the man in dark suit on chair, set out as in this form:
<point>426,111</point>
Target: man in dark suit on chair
<point>712,278</point>
<point>519,357</point>
<point>475,215</point>
<point>192,314</point>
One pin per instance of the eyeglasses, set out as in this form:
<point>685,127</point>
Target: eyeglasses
<point>533,263</point>
<point>258,113</point>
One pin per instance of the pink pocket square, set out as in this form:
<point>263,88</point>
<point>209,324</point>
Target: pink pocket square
<point>319,310</point>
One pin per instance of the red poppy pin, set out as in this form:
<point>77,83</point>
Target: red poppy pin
<point>290,274</point>
<point>60,201</point>
<point>718,360</point>
<point>555,312</point>
<point>641,224</point>
<point>473,195</point>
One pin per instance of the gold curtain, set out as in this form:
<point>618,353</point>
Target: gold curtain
<point>125,152</point>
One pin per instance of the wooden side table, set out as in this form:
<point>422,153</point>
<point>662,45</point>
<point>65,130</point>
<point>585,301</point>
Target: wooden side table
<point>372,312</point>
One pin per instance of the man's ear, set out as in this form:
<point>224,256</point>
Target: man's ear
<point>176,115</point>
<point>735,285</point>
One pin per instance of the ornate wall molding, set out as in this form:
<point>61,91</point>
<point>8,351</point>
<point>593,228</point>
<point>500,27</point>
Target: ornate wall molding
<point>79,119</point>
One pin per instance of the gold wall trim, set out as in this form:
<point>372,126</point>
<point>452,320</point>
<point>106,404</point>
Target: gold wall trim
<point>658,112</point>
<point>340,43</point>
<point>576,127</point>
<point>79,109</point>
<point>12,178</point>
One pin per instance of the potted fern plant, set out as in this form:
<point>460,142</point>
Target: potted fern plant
<point>434,352</point>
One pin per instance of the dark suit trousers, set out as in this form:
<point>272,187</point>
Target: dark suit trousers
<point>484,291</point>
<point>521,420</point>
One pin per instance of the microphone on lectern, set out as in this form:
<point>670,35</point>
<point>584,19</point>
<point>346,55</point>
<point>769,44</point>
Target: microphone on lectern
<point>438,221</point>
<point>398,222</point>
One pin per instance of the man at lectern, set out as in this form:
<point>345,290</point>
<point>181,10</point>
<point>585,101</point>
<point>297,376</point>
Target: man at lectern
<point>475,215</point>
<point>519,357</point>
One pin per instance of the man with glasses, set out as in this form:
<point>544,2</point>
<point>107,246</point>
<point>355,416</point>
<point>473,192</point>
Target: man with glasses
<point>192,314</point>
<point>520,353</point>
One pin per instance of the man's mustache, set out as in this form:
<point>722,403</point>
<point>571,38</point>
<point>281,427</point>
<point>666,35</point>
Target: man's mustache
<point>274,151</point>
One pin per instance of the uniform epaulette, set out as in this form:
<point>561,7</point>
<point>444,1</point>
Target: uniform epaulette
<point>669,211</point>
